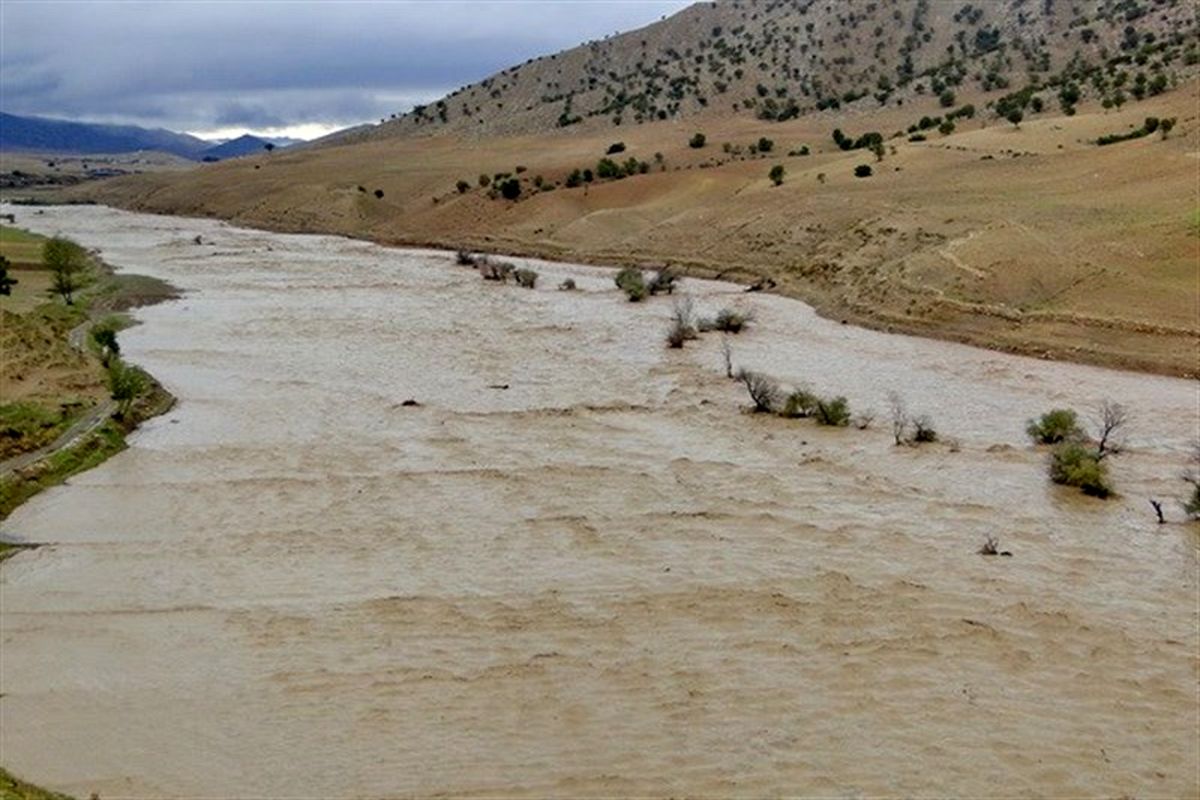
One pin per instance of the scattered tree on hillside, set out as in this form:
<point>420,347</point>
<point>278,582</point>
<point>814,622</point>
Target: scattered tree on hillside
<point>462,187</point>
<point>510,189</point>
<point>1015,116</point>
<point>65,259</point>
<point>697,141</point>
<point>776,174</point>
<point>862,171</point>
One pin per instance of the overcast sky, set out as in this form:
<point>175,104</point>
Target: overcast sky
<point>281,67</point>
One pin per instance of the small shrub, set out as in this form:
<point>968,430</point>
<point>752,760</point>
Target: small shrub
<point>765,145</point>
<point>462,187</point>
<point>923,432</point>
<point>776,174</point>
<point>379,194</point>
<point>1056,425</point>
<point>631,281</point>
<point>833,411</point>
<point>663,281</point>
<point>862,171</point>
<point>484,181</point>
<point>683,317</point>
<point>762,390</point>
<point>1073,464</point>
<point>510,189</point>
<point>525,278</point>
<point>697,141</point>
<point>567,285</point>
<point>616,147</point>
<point>799,404</point>
<point>495,270</point>
<point>732,320</point>
<point>465,258</point>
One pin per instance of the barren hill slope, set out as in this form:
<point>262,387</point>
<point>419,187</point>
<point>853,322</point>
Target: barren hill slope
<point>777,59</point>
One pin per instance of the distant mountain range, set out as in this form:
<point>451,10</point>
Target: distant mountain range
<point>39,134</point>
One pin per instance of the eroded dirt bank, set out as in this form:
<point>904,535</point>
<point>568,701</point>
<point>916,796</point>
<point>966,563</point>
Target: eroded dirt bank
<point>604,579</point>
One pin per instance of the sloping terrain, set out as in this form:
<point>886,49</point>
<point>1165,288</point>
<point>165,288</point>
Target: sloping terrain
<point>39,134</point>
<point>1029,238</point>
<point>779,59</point>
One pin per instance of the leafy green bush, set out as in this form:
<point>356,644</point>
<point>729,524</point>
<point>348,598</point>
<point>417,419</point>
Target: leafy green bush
<point>1056,425</point>
<point>1073,464</point>
<point>833,411</point>
<point>631,281</point>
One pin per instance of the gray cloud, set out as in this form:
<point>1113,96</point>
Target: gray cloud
<point>189,65</point>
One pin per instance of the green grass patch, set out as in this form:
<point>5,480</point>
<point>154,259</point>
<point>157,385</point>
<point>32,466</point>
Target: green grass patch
<point>12,788</point>
<point>9,234</point>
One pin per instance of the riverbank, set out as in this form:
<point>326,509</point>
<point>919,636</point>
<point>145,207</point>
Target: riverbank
<point>57,420</point>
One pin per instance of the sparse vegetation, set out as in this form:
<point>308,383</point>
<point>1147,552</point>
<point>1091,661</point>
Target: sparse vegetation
<point>862,171</point>
<point>763,391</point>
<point>776,174</point>
<point>464,258</point>
<point>568,285</point>
<point>697,141</point>
<point>732,320</point>
<point>631,281</point>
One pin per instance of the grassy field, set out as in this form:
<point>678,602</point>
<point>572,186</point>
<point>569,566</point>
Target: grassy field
<point>22,248</point>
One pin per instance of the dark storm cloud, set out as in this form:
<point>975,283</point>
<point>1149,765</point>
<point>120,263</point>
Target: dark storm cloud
<point>194,65</point>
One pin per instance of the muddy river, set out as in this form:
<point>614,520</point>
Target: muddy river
<point>606,579</point>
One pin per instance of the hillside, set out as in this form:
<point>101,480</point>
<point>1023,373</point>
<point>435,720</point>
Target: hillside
<point>37,134</point>
<point>779,59</point>
<point>1025,235</point>
<point>235,148</point>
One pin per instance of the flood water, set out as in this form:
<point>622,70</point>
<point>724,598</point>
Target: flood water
<point>604,580</point>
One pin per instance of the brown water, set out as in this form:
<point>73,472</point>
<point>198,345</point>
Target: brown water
<point>606,579</point>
